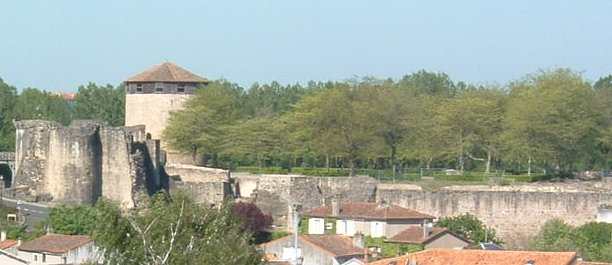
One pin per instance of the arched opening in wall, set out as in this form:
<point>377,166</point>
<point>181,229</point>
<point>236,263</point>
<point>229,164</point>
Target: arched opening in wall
<point>6,174</point>
<point>148,136</point>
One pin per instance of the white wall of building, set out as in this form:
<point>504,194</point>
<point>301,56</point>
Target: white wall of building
<point>316,226</point>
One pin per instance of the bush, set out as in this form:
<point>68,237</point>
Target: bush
<point>469,227</point>
<point>593,241</point>
<point>252,218</point>
<point>467,177</point>
<point>263,170</point>
<point>391,249</point>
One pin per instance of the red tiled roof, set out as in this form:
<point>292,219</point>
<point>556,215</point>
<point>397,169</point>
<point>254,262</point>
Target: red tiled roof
<point>167,72</point>
<point>414,235</point>
<point>367,210</point>
<point>336,245</point>
<point>7,243</point>
<point>481,257</point>
<point>54,243</point>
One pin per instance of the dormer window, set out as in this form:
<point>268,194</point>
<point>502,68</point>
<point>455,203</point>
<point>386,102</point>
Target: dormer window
<point>180,88</point>
<point>139,88</point>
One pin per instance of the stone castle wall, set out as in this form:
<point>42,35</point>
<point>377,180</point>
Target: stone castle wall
<point>516,213</point>
<point>82,162</point>
<point>209,186</point>
<point>273,194</point>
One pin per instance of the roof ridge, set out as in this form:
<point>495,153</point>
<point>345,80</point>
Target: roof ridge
<point>171,69</point>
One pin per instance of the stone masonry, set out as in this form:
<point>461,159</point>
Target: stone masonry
<point>83,162</point>
<point>516,212</point>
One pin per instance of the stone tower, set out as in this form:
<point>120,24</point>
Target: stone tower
<point>154,93</point>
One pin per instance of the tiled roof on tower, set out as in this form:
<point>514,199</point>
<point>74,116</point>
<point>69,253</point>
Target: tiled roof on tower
<point>167,72</point>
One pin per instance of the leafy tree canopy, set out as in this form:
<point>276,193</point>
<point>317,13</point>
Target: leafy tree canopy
<point>469,227</point>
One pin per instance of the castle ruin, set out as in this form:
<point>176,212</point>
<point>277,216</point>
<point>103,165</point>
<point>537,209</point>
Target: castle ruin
<point>88,160</point>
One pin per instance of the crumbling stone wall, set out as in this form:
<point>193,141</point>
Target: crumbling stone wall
<point>81,162</point>
<point>517,213</point>
<point>206,185</point>
<point>274,193</point>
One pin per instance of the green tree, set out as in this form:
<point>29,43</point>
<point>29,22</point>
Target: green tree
<point>104,103</point>
<point>261,139</point>
<point>469,227</point>
<point>603,102</point>
<point>333,123</point>
<point>172,231</point>
<point>594,240</point>
<point>474,120</point>
<point>428,83</point>
<point>198,129</point>
<point>551,114</point>
<point>392,113</point>
<point>34,104</point>
<point>72,220</point>
<point>555,235</point>
<point>8,95</point>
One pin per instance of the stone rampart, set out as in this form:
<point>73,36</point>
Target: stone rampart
<point>206,185</point>
<point>82,162</point>
<point>516,212</point>
<point>274,193</point>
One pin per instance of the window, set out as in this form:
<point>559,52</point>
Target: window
<point>139,88</point>
<point>159,87</point>
<point>180,88</point>
<point>35,257</point>
<point>44,259</point>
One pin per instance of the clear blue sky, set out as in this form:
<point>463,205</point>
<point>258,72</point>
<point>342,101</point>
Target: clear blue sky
<point>60,44</point>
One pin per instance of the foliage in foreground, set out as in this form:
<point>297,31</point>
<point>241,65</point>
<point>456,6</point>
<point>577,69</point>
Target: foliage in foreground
<point>469,227</point>
<point>72,220</point>
<point>593,241</point>
<point>172,231</point>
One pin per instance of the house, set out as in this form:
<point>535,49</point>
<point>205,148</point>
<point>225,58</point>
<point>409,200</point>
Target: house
<point>7,258</point>
<point>316,249</point>
<point>430,237</point>
<point>58,249</point>
<point>9,246</point>
<point>370,219</point>
<point>481,257</point>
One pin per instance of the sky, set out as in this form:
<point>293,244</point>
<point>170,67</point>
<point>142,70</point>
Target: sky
<point>61,44</point>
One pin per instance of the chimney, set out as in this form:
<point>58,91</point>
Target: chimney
<point>358,240</point>
<point>2,236</point>
<point>335,206</point>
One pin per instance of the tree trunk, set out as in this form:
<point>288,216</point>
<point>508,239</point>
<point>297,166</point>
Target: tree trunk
<point>529,166</point>
<point>488,166</point>
<point>351,167</point>
<point>393,154</point>
<point>327,162</point>
<point>461,153</point>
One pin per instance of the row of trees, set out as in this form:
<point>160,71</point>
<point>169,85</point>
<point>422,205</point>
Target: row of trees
<point>549,120</point>
<point>104,103</point>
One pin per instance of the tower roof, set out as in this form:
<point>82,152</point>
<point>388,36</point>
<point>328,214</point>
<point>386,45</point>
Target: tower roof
<point>167,72</point>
